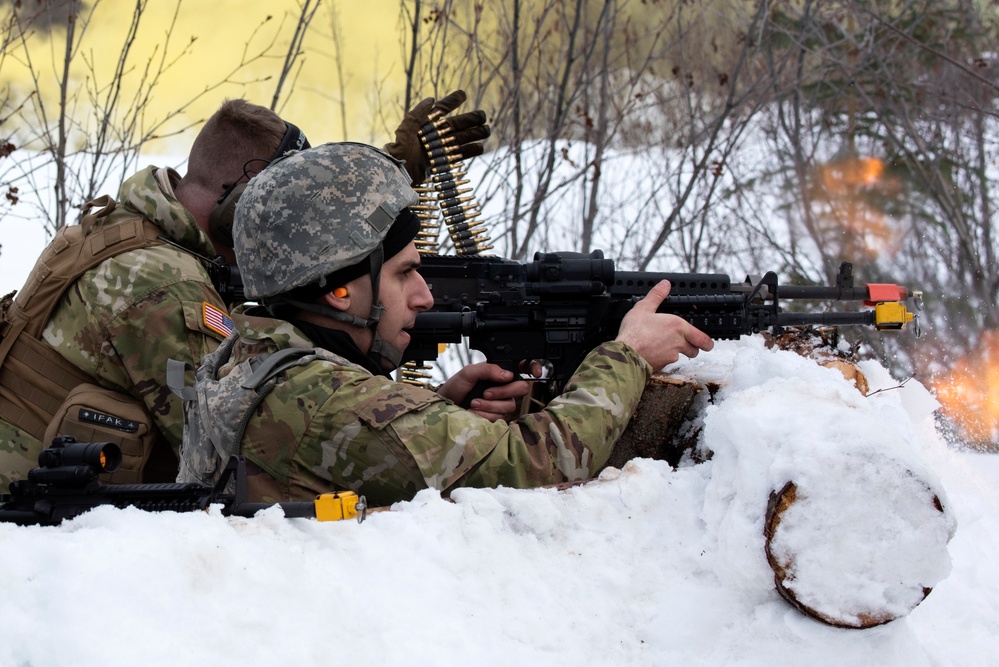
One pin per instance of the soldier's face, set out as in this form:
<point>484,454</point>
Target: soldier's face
<point>404,293</point>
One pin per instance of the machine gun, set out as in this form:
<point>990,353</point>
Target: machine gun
<point>562,305</point>
<point>66,484</point>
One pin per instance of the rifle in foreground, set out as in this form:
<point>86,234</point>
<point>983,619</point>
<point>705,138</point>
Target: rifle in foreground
<point>562,305</point>
<point>66,484</point>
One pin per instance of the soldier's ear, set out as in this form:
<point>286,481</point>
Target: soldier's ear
<point>338,298</point>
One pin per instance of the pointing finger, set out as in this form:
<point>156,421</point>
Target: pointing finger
<point>655,297</point>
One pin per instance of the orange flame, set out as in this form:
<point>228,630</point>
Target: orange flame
<point>969,392</point>
<point>843,177</point>
<point>841,185</point>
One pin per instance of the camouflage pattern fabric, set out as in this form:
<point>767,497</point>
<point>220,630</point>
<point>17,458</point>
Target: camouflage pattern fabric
<point>344,193</point>
<point>121,321</point>
<point>18,453</point>
<point>331,425</point>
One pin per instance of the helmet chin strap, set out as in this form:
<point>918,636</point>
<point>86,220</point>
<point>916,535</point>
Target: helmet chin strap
<point>380,349</point>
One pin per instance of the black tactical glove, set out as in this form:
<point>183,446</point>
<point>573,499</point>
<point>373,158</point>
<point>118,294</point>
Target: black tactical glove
<point>468,130</point>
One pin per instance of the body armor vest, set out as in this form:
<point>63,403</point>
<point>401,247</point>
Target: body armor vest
<point>42,393</point>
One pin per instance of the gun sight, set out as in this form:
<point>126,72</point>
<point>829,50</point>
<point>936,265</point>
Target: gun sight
<point>65,451</point>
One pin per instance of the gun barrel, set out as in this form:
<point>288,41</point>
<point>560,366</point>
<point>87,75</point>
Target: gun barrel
<point>860,317</point>
<point>326,507</point>
<point>20,517</point>
<point>866,293</point>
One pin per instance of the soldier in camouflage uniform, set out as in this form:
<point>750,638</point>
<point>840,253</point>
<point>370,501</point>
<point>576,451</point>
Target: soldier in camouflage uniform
<point>324,240</point>
<point>121,321</point>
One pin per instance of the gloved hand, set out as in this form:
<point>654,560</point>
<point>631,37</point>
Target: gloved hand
<point>468,130</point>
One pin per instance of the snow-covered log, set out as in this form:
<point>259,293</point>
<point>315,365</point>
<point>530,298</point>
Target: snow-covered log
<point>851,562</point>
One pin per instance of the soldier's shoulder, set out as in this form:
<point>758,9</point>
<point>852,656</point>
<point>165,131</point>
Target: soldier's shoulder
<point>149,194</point>
<point>257,326</point>
<point>134,275</point>
<point>379,401</point>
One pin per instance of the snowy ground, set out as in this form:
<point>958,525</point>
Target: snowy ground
<point>646,566</point>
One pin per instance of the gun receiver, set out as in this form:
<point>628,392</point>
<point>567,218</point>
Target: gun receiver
<point>562,305</point>
<point>66,484</point>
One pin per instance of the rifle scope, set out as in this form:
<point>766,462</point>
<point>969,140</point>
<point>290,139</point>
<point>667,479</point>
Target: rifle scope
<point>570,267</point>
<point>66,452</point>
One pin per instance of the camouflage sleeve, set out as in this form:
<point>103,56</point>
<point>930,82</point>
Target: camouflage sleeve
<point>123,320</point>
<point>168,324</point>
<point>412,438</point>
<point>567,441</point>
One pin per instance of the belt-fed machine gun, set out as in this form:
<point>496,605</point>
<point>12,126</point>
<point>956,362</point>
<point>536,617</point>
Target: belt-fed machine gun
<point>562,305</point>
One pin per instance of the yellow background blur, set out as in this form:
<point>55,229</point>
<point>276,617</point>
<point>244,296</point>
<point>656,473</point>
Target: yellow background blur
<point>223,33</point>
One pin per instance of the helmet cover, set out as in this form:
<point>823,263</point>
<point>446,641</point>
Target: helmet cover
<point>314,212</point>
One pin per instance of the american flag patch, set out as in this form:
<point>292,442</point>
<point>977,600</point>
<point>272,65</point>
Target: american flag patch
<point>216,320</point>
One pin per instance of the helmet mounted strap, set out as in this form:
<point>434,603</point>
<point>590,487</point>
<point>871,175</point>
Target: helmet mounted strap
<point>380,348</point>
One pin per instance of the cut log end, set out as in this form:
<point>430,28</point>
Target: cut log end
<point>796,583</point>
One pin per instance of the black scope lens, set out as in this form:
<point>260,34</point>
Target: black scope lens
<point>102,456</point>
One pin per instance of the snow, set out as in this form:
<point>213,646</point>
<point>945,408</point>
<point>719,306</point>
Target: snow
<point>645,566</point>
<point>20,246</point>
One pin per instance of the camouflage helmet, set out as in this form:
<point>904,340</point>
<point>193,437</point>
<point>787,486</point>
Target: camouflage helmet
<point>315,212</point>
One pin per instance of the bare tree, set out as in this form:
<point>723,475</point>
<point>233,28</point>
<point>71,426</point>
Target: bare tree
<point>294,60</point>
<point>880,138</point>
<point>607,109</point>
<point>784,136</point>
<point>91,132</point>
<point>576,88</point>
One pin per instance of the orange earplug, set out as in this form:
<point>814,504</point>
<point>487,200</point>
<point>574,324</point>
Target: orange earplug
<point>340,292</point>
